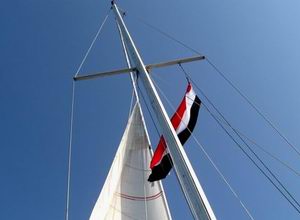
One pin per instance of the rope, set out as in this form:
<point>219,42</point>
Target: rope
<point>185,73</point>
<point>263,149</point>
<point>92,44</point>
<point>72,120</point>
<point>209,158</point>
<point>250,149</point>
<point>265,118</point>
<point>165,34</point>
<point>242,134</point>
<point>254,107</point>
<point>70,154</point>
<point>222,176</point>
<point>269,153</point>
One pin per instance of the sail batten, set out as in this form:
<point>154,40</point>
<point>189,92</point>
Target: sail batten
<point>126,193</point>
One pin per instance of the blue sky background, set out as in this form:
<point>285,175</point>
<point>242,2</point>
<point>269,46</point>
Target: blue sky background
<point>255,43</point>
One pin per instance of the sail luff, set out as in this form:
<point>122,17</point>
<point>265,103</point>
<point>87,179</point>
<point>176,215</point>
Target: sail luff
<point>188,180</point>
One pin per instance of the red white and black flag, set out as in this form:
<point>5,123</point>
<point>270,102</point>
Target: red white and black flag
<point>183,121</point>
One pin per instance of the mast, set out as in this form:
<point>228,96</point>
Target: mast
<point>132,77</point>
<point>190,185</point>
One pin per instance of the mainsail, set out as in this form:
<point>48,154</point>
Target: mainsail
<point>126,193</point>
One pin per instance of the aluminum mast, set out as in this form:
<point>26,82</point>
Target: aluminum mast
<point>188,180</point>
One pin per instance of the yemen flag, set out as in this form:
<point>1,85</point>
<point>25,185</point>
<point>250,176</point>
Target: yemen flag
<point>183,121</point>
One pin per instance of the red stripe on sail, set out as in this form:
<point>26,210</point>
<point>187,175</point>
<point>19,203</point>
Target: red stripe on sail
<point>139,198</point>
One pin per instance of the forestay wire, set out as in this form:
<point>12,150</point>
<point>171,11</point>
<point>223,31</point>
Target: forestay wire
<point>223,75</point>
<point>72,119</point>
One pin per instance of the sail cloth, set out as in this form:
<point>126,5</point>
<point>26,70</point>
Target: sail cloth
<point>126,193</point>
<point>183,121</point>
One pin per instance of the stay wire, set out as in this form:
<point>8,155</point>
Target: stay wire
<point>269,153</point>
<point>258,111</point>
<point>242,139</point>
<point>243,96</point>
<point>185,73</point>
<point>266,119</point>
<point>253,161</point>
<point>248,147</point>
<point>238,131</point>
<point>69,163</point>
<point>263,149</point>
<point>258,158</point>
<point>70,154</point>
<point>93,42</point>
<point>208,157</point>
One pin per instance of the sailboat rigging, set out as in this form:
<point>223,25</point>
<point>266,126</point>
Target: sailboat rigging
<point>126,193</point>
<point>194,194</point>
<point>189,183</point>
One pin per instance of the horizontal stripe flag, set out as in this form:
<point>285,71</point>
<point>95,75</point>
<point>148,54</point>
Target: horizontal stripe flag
<point>184,121</point>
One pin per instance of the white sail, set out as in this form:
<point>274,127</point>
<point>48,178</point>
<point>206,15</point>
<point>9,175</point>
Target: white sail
<point>126,193</point>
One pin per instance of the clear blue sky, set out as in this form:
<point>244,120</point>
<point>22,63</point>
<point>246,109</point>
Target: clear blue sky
<point>255,43</point>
